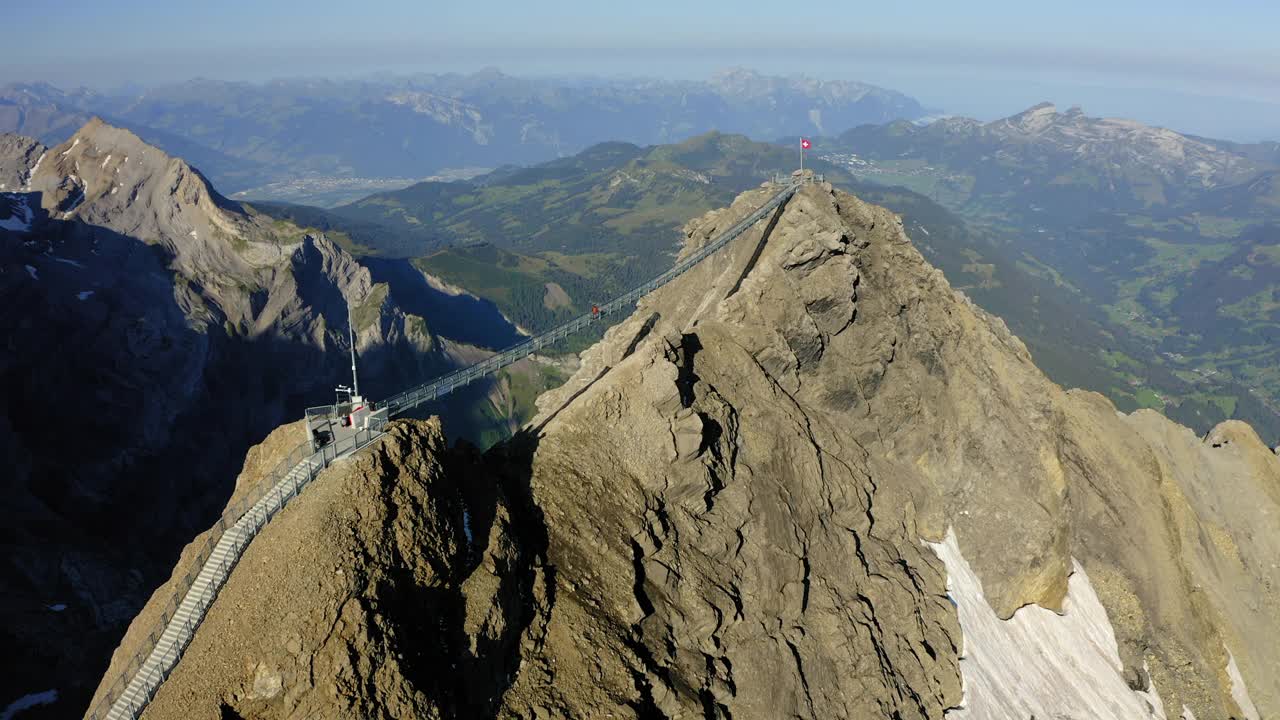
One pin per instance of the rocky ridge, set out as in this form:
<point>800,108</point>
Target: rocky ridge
<point>253,136</point>
<point>1109,162</point>
<point>146,311</point>
<point>386,536</point>
<point>790,485</point>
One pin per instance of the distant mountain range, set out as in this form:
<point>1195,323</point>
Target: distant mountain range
<point>1081,232</point>
<point>1104,163</point>
<point>545,242</point>
<point>247,135</point>
<point>1175,237</point>
<point>591,225</point>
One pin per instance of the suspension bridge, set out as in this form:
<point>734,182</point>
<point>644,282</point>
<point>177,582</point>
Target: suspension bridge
<point>137,683</point>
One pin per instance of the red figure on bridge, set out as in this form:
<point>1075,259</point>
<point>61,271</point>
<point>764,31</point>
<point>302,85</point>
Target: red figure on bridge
<point>595,312</point>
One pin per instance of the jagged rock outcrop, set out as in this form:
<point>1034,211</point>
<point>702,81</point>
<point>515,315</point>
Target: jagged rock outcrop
<point>18,154</point>
<point>154,331</point>
<point>729,510</point>
<point>392,588</point>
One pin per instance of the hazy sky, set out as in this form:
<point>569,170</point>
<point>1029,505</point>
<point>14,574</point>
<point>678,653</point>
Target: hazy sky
<point>981,57</point>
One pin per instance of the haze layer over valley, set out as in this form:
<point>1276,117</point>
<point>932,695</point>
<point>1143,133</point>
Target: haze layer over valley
<point>327,140</point>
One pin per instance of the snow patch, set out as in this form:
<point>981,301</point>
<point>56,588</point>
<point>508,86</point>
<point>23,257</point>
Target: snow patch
<point>57,607</point>
<point>32,272</point>
<point>26,702</point>
<point>104,162</point>
<point>32,172</point>
<point>84,296</point>
<point>78,200</point>
<point>466,525</point>
<point>1239,692</point>
<point>68,150</point>
<point>68,261</point>
<point>1151,696</point>
<point>1037,663</point>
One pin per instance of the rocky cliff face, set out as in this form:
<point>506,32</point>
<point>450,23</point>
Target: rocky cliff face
<point>808,479</point>
<point>153,331</point>
<point>18,155</point>
<point>395,589</point>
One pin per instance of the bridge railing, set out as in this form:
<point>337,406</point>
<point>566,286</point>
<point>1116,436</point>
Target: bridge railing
<point>446,384</point>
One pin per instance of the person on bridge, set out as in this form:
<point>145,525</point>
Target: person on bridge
<point>595,312</point>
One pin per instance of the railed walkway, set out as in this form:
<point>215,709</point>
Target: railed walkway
<point>138,682</point>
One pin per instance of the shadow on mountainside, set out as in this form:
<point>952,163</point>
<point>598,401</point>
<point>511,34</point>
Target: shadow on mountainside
<point>497,659</point>
<point>97,351</point>
<point>460,637</point>
<point>463,318</point>
<point>498,617</point>
<point>124,425</point>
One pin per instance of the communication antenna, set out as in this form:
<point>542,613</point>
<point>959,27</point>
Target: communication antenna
<point>351,332</point>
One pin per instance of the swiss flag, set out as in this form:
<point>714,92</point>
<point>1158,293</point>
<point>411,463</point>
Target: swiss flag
<point>804,144</point>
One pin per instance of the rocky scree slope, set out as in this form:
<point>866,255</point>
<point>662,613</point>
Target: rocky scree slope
<point>156,330</point>
<point>793,484</point>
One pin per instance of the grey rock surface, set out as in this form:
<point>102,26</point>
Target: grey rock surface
<point>18,154</point>
<point>393,587</point>
<point>849,395</point>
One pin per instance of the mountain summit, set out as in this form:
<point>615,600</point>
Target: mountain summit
<point>806,479</point>
<point>108,177</point>
<point>156,331</point>
<point>1127,143</point>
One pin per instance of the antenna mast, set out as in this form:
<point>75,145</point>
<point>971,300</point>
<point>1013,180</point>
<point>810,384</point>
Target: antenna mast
<point>351,332</point>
